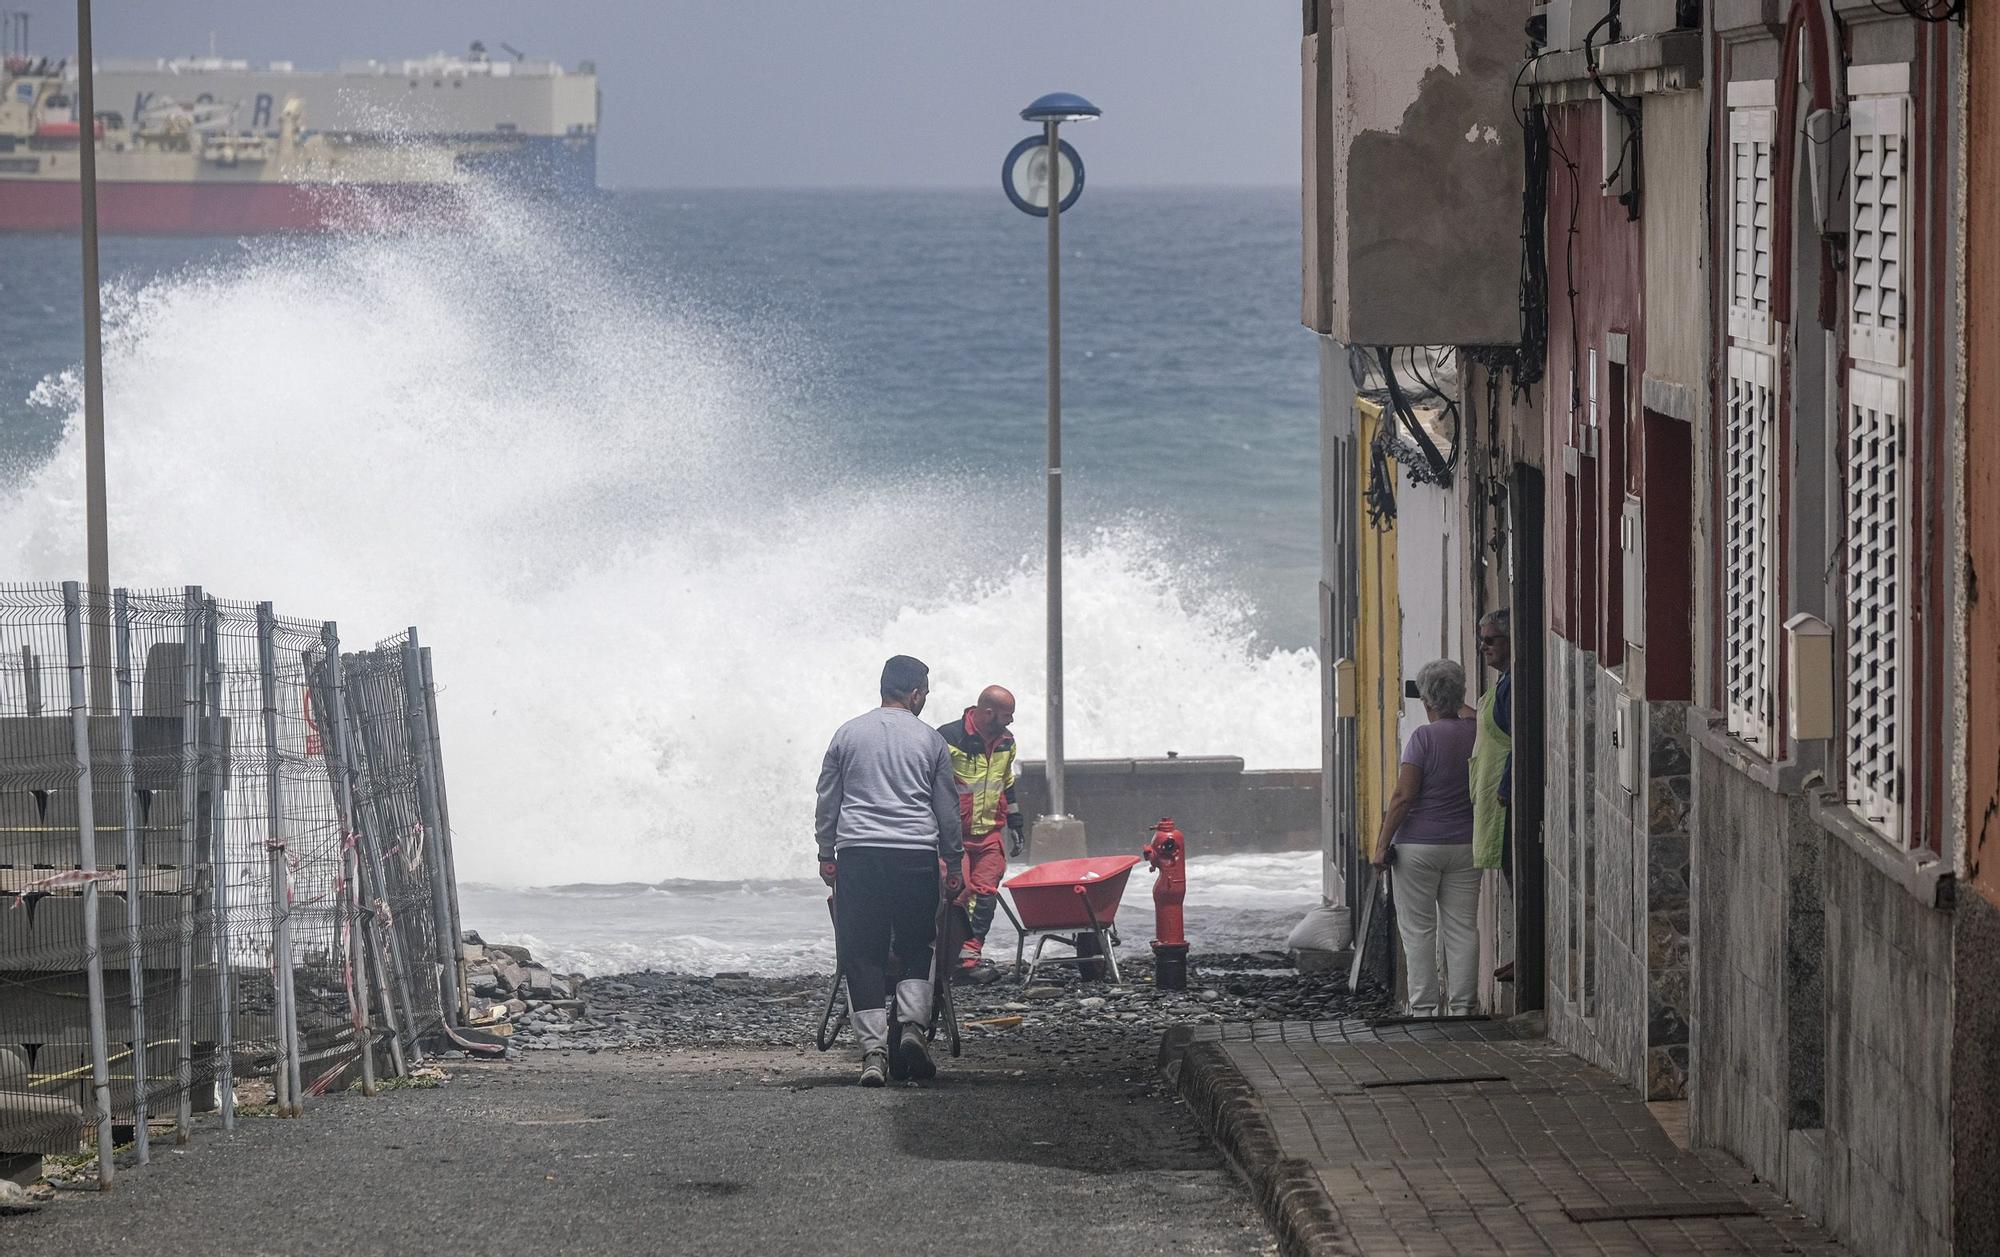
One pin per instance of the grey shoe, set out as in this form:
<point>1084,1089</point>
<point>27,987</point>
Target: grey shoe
<point>874,1069</point>
<point>913,1055</point>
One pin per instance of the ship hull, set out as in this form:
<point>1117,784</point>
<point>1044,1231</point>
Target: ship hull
<point>223,208</point>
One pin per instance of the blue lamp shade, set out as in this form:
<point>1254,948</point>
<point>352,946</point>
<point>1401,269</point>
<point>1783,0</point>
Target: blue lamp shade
<point>1060,107</point>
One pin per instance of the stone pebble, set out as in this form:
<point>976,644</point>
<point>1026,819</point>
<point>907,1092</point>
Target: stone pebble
<point>666,1010</point>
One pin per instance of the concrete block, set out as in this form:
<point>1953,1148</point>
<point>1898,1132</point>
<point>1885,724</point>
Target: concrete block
<point>69,1064</point>
<point>1056,838</point>
<point>60,810</point>
<point>47,935</point>
<point>52,1008</point>
<point>1185,765</point>
<point>41,1124</point>
<point>1219,807</point>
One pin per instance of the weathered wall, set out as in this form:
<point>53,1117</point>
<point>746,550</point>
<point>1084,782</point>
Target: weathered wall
<point>1425,231</point>
<point>1821,1057</point>
<point>1220,807</point>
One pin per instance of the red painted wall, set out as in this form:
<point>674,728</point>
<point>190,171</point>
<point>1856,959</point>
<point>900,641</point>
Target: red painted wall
<point>1596,286</point>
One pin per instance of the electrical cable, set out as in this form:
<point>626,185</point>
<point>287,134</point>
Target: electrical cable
<point>1628,113</point>
<point>1952,11</point>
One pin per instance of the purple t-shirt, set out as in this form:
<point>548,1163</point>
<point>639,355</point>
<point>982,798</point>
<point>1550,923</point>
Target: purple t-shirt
<point>1443,810</point>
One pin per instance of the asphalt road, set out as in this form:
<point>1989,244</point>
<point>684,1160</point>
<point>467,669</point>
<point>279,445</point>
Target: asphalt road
<point>1014,1149</point>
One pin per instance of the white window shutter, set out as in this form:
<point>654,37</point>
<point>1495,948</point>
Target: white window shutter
<point>1749,560</point>
<point>1875,600</point>
<point>1877,154</point>
<point>1750,238</point>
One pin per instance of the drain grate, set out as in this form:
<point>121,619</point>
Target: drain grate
<point>1429,1080</point>
<point>1659,1209</point>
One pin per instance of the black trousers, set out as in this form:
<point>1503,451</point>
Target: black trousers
<point>885,900</point>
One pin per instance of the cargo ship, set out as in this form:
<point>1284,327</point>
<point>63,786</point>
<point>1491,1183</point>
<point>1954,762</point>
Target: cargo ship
<point>215,146</point>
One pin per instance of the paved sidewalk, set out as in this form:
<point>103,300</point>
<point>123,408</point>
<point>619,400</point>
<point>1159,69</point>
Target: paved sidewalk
<point>1456,1137</point>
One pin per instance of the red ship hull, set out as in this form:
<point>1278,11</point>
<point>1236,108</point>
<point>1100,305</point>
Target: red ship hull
<point>221,208</point>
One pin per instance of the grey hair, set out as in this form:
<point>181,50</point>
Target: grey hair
<point>1501,619</point>
<point>1441,684</point>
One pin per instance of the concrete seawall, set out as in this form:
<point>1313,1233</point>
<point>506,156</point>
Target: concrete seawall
<point>1219,806</point>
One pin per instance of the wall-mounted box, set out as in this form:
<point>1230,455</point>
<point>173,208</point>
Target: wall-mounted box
<point>1345,703</point>
<point>1809,664</point>
<point>1632,548</point>
<point>1627,733</point>
<point>1413,175</point>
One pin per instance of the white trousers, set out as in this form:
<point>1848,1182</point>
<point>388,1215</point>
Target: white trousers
<point>1437,895</point>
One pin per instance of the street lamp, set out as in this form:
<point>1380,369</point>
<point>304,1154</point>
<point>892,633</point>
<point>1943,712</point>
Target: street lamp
<point>97,563</point>
<point>1044,176</point>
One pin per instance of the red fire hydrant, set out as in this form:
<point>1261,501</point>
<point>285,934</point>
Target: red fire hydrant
<point>1167,854</point>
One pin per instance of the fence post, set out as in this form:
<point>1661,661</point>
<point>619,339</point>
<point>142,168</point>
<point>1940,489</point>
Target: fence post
<point>340,764</point>
<point>365,757</point>
<point>463,994</point>
<point>190,872</point>
<point>284,991</point>
<point>217,746</point>
<point>135,930</point>
<point>421,755</point>
<point>86,834</point>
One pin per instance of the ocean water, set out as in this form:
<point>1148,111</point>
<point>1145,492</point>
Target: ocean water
<point>664,477</point>
<point>1235,903</point>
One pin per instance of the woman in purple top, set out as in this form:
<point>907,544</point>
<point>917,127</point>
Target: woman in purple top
<point>1427,832</point>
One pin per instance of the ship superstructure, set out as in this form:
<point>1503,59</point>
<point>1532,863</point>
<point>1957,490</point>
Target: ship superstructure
<point>214,145</point>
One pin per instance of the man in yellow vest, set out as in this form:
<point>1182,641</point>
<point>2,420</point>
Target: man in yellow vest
<point>982,754</point>
<point>1493,756</point>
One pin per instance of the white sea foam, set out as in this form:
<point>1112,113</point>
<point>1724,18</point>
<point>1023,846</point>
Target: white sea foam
<point>653,585</point>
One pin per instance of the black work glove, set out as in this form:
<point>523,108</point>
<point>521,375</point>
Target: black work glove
<point>1017,839</point>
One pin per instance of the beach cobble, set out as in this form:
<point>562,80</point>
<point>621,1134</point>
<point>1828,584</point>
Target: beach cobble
<point>674,1010</point>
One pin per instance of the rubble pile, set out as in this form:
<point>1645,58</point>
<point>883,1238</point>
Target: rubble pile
<point>515,997</point>
<point>545,1011</point>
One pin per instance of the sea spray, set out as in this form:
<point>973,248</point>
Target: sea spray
<point>653,582</point>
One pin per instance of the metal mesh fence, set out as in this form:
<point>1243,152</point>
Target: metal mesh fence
<point>224,866</point>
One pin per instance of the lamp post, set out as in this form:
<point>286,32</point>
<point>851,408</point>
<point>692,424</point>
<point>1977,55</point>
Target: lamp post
<point>96,529</point>
<point>1043,176</point>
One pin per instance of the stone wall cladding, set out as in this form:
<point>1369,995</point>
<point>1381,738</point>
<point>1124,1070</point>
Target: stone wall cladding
<point>1669,928</point>
<point>1597,896</point>
<point>1888,1126</point>
<point>1975,1074</point>
<point>1817,985</point>
<point>1739,1083</point>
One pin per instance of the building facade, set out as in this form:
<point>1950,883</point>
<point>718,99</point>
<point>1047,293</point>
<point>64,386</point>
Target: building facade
<point>1723,436</point>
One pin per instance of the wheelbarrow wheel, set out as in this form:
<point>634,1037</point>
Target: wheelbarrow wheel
<point>948,1015</point>
<point>833,1017</point>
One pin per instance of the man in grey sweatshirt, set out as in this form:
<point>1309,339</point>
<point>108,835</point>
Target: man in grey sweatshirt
<point>888,827</point>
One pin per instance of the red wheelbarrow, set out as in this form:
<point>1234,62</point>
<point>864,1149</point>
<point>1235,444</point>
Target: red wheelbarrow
<point>1077,896</point>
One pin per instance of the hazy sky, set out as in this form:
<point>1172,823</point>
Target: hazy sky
<point>839,92</point>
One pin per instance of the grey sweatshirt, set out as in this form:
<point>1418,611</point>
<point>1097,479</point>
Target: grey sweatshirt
<point>888,782</point>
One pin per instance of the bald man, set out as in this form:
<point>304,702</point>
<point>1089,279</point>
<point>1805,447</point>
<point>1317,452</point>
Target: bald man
<point>982,755</point>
